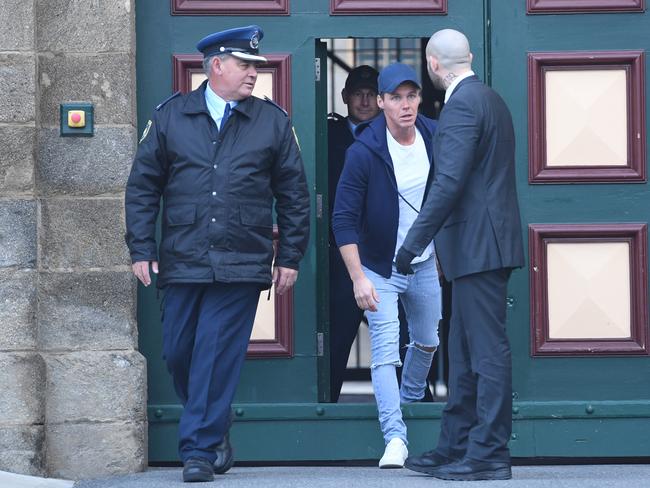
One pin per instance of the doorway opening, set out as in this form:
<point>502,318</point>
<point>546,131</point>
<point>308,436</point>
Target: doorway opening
<point>343,55</point>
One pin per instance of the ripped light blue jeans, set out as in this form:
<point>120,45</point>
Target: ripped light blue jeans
<point>421,297</point>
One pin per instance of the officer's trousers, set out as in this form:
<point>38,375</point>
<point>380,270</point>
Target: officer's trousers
<point>345,317</point>
<point>206,329</point>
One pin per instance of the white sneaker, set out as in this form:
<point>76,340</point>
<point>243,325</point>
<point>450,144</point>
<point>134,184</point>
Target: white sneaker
<point>394,455</point>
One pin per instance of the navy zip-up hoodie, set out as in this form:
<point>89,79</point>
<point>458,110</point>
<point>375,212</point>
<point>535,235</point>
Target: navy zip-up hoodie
<point>366,210</point>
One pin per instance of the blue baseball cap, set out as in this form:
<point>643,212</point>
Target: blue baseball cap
<point>240,42</point>
<point>393,75</point>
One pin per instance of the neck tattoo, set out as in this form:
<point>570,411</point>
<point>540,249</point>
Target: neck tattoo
<point>449,79</point>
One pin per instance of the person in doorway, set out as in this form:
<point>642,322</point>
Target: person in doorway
<point>219,158</point>
<point>378,196</point>
<point>473,214</point>
<point>360,96</point>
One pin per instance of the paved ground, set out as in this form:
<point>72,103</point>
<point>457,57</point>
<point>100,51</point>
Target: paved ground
<point>11,480</point>
<point>610,476</point>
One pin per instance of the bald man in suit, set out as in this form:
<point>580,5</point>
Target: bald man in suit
<point>473,214</point>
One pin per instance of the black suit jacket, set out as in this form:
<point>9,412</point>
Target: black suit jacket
<point>471,207</point>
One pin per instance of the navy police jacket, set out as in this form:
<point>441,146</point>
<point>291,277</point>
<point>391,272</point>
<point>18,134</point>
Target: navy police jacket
<point>366,210</point>
<point>339,139</point>
<point>218,191</point>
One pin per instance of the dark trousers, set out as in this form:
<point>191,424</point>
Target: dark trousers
<point>477,421</point>
<point>345,317</point>
<point>206,328</point>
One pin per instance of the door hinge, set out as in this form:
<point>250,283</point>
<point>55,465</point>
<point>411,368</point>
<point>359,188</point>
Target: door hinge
<point>320,344</point>
<point>317,69</point>
<point>319,205</point>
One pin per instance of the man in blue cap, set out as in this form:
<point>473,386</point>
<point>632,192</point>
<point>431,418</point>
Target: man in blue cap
<point>378,197</point>
<point>219,158</point>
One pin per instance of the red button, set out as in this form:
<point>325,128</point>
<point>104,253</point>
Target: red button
<point>75,118</point>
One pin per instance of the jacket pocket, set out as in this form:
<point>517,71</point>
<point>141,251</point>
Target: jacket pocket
<point>256,216</point>
<point>255,234</point>
<point>181,215</point>
<point>181,233</point>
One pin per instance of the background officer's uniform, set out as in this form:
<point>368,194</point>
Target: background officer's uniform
<point>216,249</point>
<point>345,315</point>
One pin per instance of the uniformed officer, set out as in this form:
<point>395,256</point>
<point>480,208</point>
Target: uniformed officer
<point>218,157</point>
<point>360,95</point>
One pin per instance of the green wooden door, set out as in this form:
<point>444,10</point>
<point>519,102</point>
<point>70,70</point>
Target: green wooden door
<point>578,315</point>
<point>278,414</point>
<point>575,402</point>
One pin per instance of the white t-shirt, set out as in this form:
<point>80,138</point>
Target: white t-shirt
<point>411,166</point>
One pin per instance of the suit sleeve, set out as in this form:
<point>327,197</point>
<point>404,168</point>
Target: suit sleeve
<point>289,185</point>
<point>142,197</point>
<point>458,144</point>
<point>350,197</point>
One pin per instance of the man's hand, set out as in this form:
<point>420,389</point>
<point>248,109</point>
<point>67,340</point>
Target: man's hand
<point>141,270</point>
<point>365,294</point>
<point>403,261</point>
<point>284,278</point>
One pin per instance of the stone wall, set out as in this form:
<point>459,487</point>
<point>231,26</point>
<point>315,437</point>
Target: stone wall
<point>73,402</point>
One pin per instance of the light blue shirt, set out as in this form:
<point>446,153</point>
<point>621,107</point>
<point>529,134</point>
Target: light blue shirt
<point>216,105</point>
<point>353,128</point>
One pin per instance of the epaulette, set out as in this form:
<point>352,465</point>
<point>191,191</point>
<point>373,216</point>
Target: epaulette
<point>267,99</point>
<point>160,105</point>
<point>334,116</point>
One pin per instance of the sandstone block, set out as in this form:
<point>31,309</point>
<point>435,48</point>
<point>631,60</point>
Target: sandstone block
<point>91,450</point>
<point>105,80</point>
<point>85,165</point>
<point>23,449</point>
<point>18,233</point>
<point>107,26</point>
<point>17,309</point>
<point>18,87</point>
<point>22,376</point>
<point>87,311</point>
<point>96,386</point>
<point>17,147</point>
<point>83,233</point>
<point>17,34</point>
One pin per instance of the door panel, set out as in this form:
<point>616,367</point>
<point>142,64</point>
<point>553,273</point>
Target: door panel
<point>579,390</point>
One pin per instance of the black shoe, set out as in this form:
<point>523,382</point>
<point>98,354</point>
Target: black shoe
<point>426,462</point>
<point>197,469</point>
<point>225,457</point>
<point>471,470</point>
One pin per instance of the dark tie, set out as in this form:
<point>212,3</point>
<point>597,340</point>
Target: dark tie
<point>226,114</point>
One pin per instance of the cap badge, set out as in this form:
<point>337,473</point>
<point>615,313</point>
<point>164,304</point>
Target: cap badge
<point>255,40</point>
